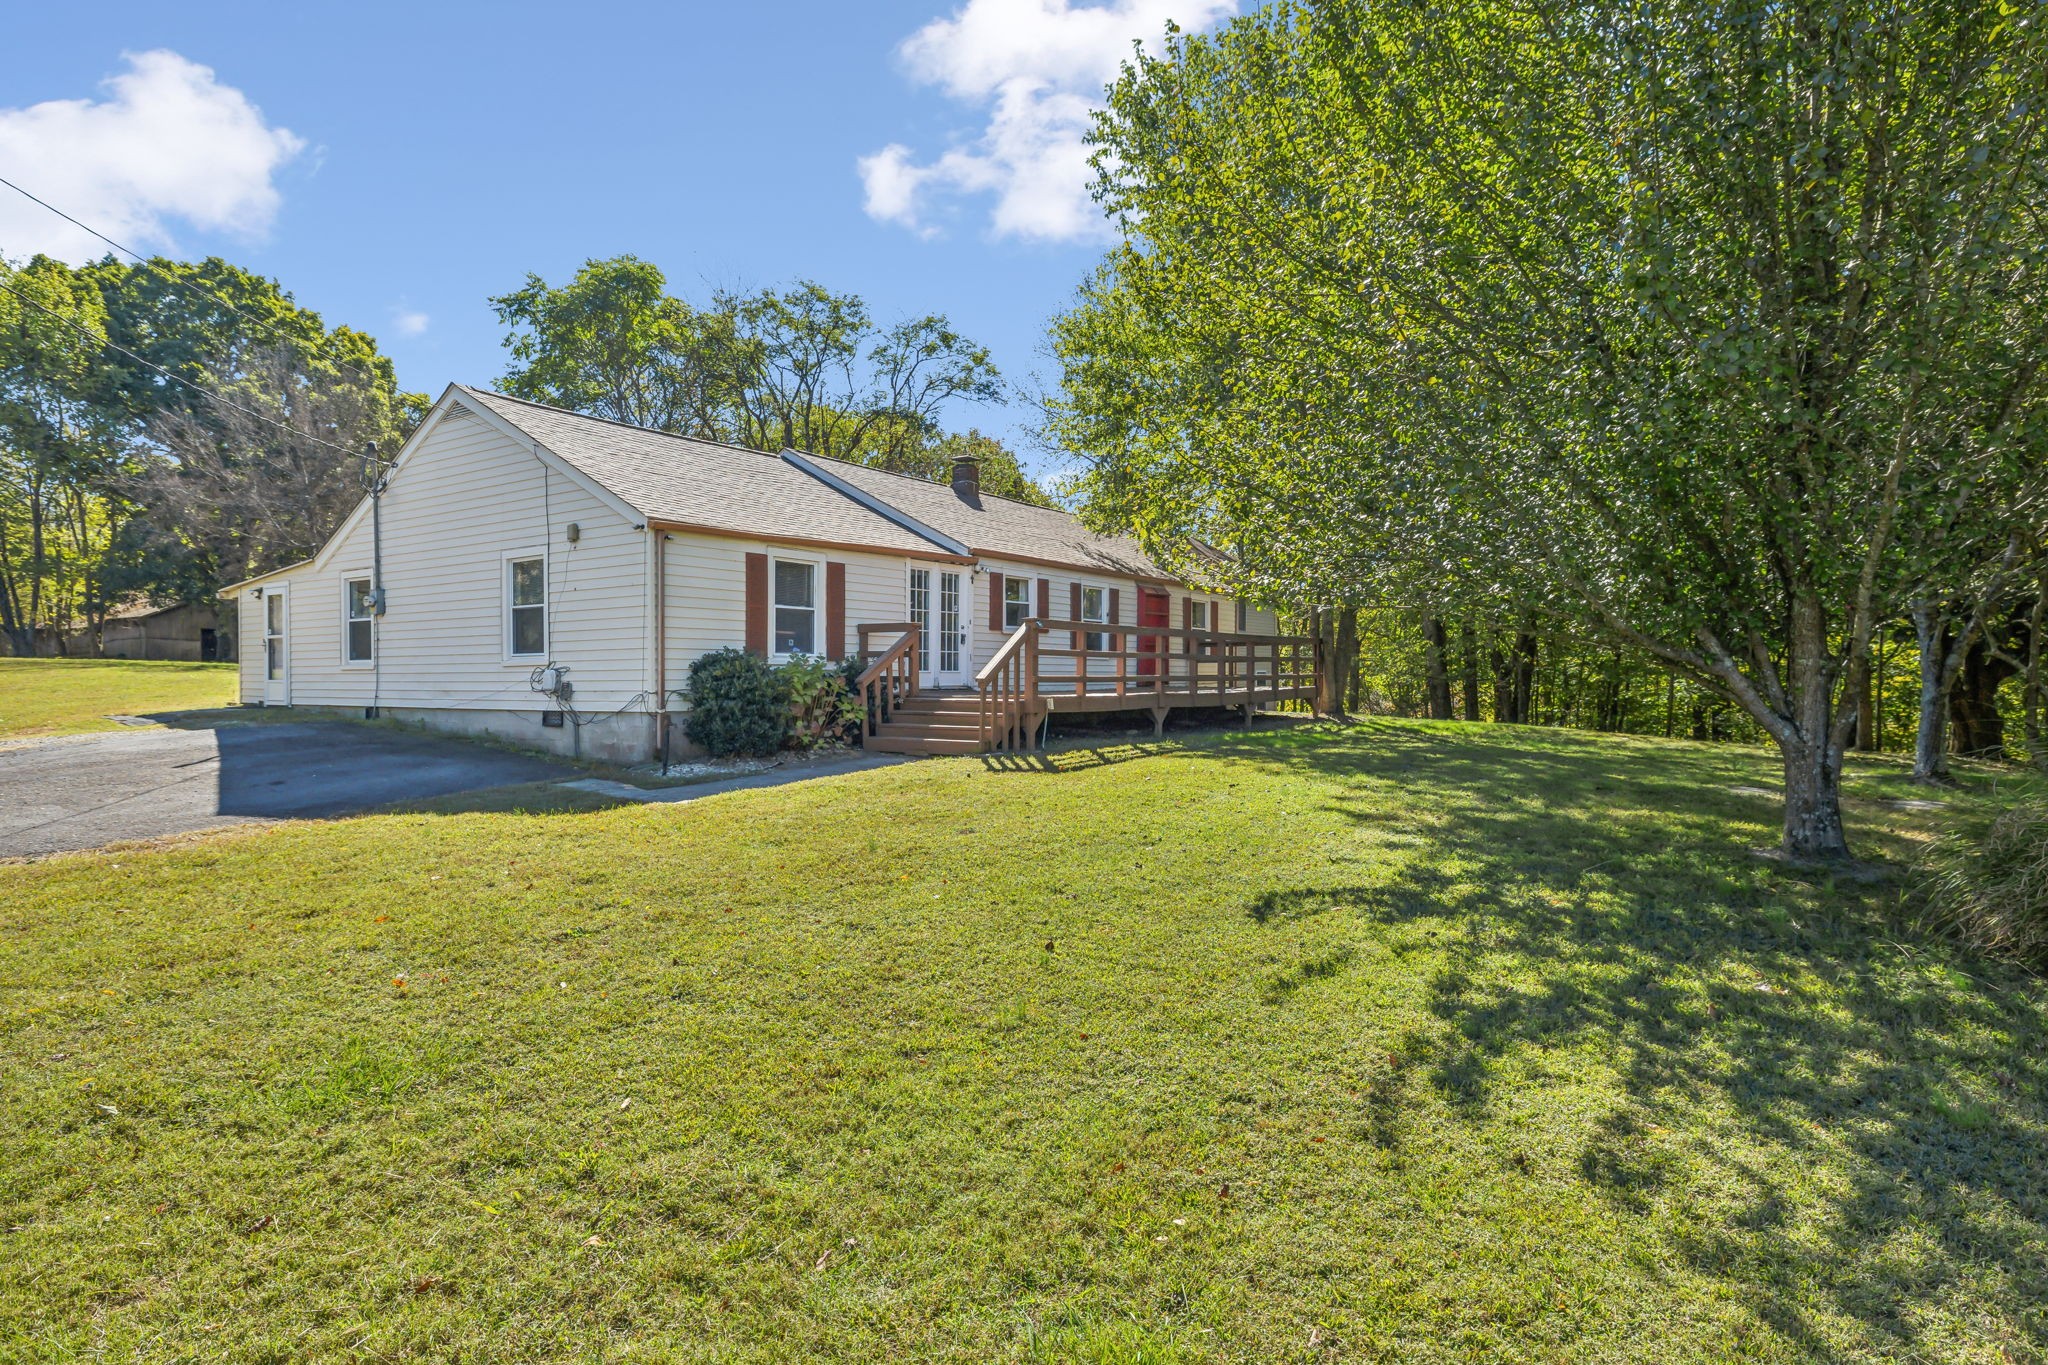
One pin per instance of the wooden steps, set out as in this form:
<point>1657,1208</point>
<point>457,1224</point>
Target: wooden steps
<point>947,722</point>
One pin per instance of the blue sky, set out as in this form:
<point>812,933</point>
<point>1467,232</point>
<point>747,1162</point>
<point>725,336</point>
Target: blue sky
<point>394,165</point>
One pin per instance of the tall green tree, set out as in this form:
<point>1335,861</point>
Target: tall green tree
<point>259,463</point>
<point>1677,321</point>
<point>61,456</point>
<point>801,367</point>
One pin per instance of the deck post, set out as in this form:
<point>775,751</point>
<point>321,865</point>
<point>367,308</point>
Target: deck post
<point>1249,707</point>
<point>1159,721</point>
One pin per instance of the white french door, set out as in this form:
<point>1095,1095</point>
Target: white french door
<point>277,659</point>
<point>937,607</point>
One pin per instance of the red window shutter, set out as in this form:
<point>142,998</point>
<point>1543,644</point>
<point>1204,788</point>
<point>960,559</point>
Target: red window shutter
<point>835,610</point>
<point>1116,616</point>
<point>1075,615</point>
<point>757,605</point>
<point>1044,599</point>
<point>995,602</point>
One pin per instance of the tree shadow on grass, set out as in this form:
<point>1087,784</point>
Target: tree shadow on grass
<point>1862,1120</point>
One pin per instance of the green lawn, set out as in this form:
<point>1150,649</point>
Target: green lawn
<point>72,696</point>
<point>1398,1042</point>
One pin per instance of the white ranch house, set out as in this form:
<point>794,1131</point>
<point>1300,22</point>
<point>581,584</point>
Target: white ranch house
<point>548,578</point>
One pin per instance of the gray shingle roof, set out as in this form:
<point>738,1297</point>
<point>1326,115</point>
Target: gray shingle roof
<point>673,478</point>
<point>701,483</point>
<point>999,527</point>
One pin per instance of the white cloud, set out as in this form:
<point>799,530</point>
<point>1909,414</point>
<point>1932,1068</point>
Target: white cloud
<point>169,142</point>
<point>1038,68</point>
<point>409,322</point>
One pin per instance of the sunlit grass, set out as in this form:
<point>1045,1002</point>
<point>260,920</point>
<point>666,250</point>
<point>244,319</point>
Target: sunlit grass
<point>1396,1042</point>
<point>75,696</point>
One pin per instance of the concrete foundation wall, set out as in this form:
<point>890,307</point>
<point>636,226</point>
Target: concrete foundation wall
<point>624,739</point>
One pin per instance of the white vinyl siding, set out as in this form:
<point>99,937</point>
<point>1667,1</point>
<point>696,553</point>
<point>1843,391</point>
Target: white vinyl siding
<point>466,498</point>
<point>706,603</point>
<point>249,644</point>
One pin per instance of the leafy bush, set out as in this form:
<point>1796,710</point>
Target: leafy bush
<point>738,704</point>
<point>1989,887</point>
<point>822,707</point>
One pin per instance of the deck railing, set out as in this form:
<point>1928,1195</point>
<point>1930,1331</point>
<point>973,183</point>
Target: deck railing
<point>1092,659</point>
<point>1059,665</point>
<point>890,679</point>
<point>1008,684</point>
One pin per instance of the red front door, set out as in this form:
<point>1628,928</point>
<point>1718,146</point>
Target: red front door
<point>1155,609</point>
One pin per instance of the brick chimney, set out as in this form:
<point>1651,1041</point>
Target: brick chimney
<point>967,479</point>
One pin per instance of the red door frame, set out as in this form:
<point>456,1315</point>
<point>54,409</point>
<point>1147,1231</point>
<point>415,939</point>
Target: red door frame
<point>1155,608</point>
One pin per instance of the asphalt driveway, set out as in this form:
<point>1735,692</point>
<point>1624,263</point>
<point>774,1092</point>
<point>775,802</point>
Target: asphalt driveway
<point>81,793</point>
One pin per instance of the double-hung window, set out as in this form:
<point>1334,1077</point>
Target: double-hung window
<point>1016,602</point>
<point>356,606</point>
<point>796,607</point>
<point>1095,607</point>
<point>526,585</point>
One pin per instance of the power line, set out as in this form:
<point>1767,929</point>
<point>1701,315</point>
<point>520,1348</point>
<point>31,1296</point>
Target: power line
<point>201,389</point>
<point>143,261</point>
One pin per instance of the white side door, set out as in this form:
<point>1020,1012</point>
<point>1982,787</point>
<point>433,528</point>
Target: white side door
<point>277,659</point>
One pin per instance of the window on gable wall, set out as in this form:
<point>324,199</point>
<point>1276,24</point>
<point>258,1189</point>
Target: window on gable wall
<point>1016,602</point>
<point>527,584</point>
<point>362,638</point>
<point>796,607</point>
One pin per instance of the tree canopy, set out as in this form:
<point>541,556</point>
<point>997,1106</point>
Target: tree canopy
<point>801,367</point>
<point>168,427</point>
<point>1687,324</point>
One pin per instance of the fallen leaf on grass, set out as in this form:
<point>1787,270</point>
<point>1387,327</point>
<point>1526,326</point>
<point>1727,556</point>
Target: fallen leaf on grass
<point>261,1223</point>
<point>593,1241</point>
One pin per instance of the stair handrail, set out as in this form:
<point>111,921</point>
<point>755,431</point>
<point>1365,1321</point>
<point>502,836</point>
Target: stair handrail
<point>1008,683</point>
<point>891,679</point>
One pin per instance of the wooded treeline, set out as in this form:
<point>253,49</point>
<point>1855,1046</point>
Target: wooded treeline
<point>1398,662</point>
<point>170,427</point>
<point>1711,333</point>
<point>167,428</point>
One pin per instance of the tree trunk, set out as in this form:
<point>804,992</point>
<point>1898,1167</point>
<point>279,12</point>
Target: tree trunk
<point>1337,641</point>
<point>1468,643</point>
<point>1347,660</point>
<point>1930,737</point>
<point>1866,717</point>
<point>1813,800</point>
<point>1525,671</point>
<point>1974,720</point>
<point>1810,734</point>
<point>2033,702</point>
<point>1436,674</point>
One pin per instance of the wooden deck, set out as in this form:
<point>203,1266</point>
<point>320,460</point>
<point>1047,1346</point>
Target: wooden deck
<point>1049,667</point>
